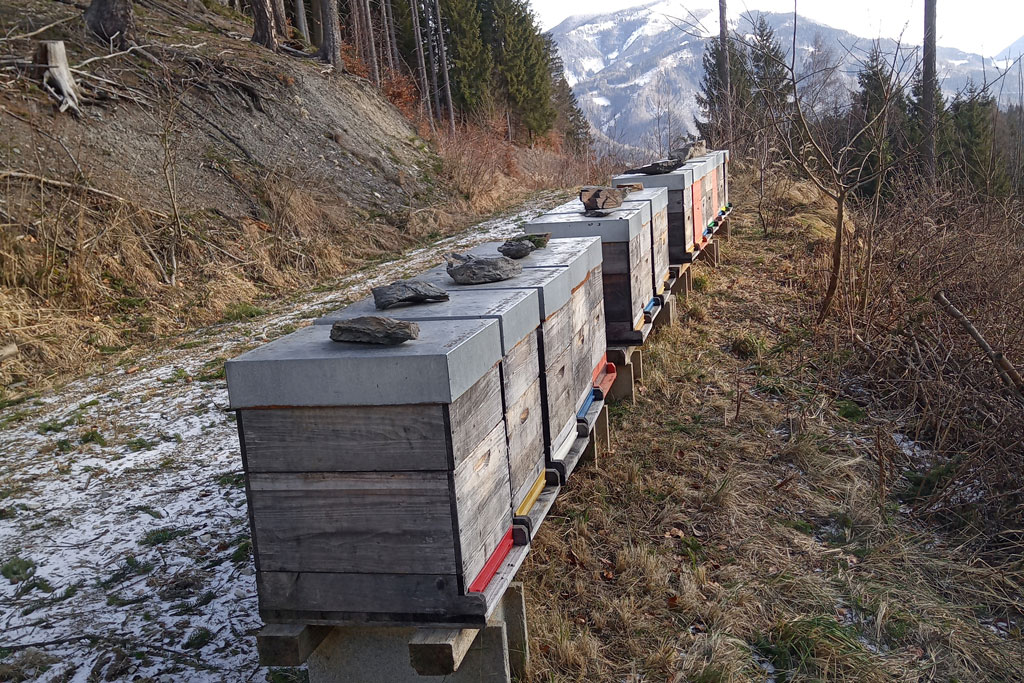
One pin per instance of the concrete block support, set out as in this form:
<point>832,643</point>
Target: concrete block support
<point>381,655</point>
<point>669,313</point>
<point>629,369</point>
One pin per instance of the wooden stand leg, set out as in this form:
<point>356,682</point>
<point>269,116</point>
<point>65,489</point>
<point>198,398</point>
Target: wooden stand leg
<point>383,654</point>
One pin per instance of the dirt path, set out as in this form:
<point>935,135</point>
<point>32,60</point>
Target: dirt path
<point>124,539</point>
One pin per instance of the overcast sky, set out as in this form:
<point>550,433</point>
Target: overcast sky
<point>979,26</point>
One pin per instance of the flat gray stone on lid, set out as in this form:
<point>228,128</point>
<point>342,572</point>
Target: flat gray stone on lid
<point>621,225</point>
<point>374,329</point>
<point>516,310</point>
<point>306,368</point>
<point>553,285</point>
<point>579,254</point>
<point>406,292</point>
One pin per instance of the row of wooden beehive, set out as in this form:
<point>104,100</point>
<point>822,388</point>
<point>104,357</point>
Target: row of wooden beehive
<point>663,225</point>
<point>386,484</point>
<point>698,192</point>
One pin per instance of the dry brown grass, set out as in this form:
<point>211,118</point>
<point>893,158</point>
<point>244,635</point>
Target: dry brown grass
<point>708,547</point>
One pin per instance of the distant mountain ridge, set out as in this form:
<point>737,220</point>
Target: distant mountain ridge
<point>1013,51</point>
<point>627,66</point>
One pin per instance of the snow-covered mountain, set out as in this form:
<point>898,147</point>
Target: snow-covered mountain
<point>1013,51</point>
<point>637,70</point>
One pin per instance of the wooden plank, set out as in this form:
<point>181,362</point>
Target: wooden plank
<point>556,331</point>
<point>506,572</point>
<point>483,502</point>
<point>525,423</point>
<point>399,522</point>
<point>350,599</point>
<point>520,368</point>
<point>659,249</point>
<point>474,414</point>
<point>546,500</point>
<point>345,439</point>
<point>439,652</point>
<point>559,401</point>
<point>289,644</point>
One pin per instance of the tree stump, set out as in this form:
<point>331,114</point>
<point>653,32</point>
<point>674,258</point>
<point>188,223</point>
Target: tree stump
<point>112,20</point>
<point>50,66</point>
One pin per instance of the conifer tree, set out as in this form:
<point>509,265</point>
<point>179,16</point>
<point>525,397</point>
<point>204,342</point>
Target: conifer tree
<point>468,57</point>
<point>880,106</point>
<point>570,120</point>
<point>522,65</point>
<point>709,99</point>
<point>768,74</point>
<point>972,152</point>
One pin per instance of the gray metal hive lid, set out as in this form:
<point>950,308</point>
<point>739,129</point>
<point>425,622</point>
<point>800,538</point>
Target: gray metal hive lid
<point>696,167</point>
<point>657,196</point>
<point>306,368</point>
<point>621,225</point>
<point>553,285</point>
<point>576,207</point>
<point>671,181</point>
<point>516,310</point>
<point>579,254</point>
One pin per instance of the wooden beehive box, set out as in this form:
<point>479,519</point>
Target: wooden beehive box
<point>377,476</point>
<point>708,193</point>
<point>517,312</point>
<point>581,259</point>
<point>722,175</point>
<point>656,199</point>
<point>679,208</point>
<point>725,176</point>
<point>554,290</point>
<point>653,205</point>
<point>626,263</point>
<point>700,200</point>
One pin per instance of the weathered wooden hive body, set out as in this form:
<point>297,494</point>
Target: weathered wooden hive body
<point>700,193</point>
<point>573,348</point>
<point>553,287</point>
<point>656,199</point>
<point>377,476</point>
<point>679,201</point>
<point>626,262</point>
<point>723,178</point>
<point>653,205</point>
<point>517,312</point>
